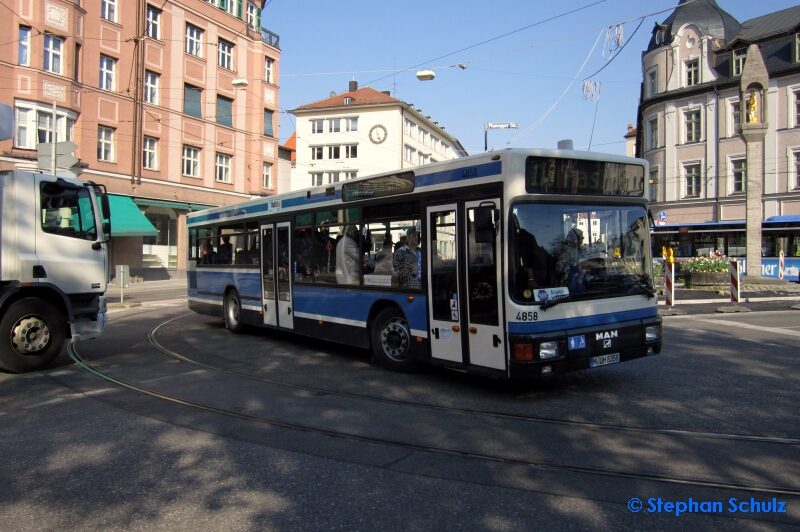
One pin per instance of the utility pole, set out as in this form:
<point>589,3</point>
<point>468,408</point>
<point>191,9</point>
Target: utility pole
<point>136,150</point>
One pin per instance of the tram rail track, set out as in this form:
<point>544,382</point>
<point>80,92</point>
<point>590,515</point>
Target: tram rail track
<point>498,415</point>
<point>538,464</point>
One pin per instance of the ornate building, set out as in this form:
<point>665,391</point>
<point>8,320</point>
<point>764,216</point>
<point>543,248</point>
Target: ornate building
<point>171,104</point>
<point>719,116</point>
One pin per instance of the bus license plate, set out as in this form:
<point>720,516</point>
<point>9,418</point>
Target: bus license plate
<point>604,360</point>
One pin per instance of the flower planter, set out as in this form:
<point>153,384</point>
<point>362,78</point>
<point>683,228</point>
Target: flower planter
<point>706,279</point>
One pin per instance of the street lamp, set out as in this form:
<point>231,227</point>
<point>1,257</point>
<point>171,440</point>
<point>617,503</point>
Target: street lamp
<point>495,125</point>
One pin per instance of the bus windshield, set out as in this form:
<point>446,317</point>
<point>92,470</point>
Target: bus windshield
<point>570,250</point>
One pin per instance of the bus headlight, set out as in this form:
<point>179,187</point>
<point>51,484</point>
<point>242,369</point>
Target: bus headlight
<point>652,333</point>
<point>548,350</point>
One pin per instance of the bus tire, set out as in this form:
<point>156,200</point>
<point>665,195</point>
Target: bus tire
<point>32,334</point>
<point>233,312</point>
<point>391,341</point>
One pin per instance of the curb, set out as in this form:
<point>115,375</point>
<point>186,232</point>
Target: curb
<point>113,306</point>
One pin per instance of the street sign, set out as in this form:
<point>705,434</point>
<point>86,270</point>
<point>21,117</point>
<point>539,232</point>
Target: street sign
<point>662,216</point>
<point>501,125</point>
<point>62,148</point>
<point>62,161</point>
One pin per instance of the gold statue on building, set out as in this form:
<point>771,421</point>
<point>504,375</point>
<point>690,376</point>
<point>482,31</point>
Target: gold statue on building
<point>752,108</point>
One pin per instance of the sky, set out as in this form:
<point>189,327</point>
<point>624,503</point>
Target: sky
<point>526,62</point>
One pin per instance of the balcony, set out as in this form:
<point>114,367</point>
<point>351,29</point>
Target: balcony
<point>270,38</point>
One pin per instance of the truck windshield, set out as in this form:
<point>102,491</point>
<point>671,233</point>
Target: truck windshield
<point>68,211</point>
<point>578,251</point>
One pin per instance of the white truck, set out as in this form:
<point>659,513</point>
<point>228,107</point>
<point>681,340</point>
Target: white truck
<point>54,234</point>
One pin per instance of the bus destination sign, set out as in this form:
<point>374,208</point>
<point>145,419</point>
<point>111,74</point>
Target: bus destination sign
<point>552,175</point>
<point>387,185</point>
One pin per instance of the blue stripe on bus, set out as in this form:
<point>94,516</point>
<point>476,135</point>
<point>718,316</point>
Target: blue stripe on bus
<point>458,174</point>
<point>319,195</point>
<point>355,304</point>
<point>577,323</point>
<point>247,282</point>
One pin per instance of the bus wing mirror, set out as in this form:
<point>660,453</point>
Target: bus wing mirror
<point>650,217</point>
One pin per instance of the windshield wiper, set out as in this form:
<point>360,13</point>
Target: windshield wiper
<point>645,288</point>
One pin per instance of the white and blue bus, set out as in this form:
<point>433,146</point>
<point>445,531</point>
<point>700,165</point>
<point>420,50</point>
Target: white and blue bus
<point>514,264</point>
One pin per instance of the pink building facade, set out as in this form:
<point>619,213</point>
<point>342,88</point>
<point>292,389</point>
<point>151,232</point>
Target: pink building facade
<point>173,106</point>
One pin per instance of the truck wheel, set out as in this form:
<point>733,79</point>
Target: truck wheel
<point>391,341</point>
<point>32,334</point>
<point>233,312</point>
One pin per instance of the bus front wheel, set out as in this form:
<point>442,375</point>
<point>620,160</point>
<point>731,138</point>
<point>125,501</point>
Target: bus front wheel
<point>233,312</point>
<point>391,341</point>
<point>32,334</point>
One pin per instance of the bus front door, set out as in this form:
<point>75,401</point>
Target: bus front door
<point>444,311</point>
<point>484,295</point>
<point>268,275</point>
<point>283,253</point>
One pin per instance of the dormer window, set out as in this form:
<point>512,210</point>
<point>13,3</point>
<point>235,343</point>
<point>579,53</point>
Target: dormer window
<point>738,61</point>
<point>797,48</point>
<point>348,100</point>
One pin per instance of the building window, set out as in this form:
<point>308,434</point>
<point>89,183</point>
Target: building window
<point>348,100</point>
<point>223,168</point>
<point>738,61</point>
<point>150,154</point>
<point>351,151</point>
<point>107,68</point>
<point>797,109</point>
<point>410,128</point>
<point>423,136</point>
<point>692,126</point>
<point>76,73</point>
<point>105,144</point>
<point>652,82</point>
<point>34,124</point>
<point>253,16</point>
<point>266,176</point>
<point>268,116</point>
<point>435,144</point>
<point>350,175</point>
<point>316,179</point>
<point>410,155</point>
<point>151,87</point>
<point>228,6</point>
<point>191,100</point>
<point>268,70</point>
<point>654,184</point>
<point>738,175</point>
<point>334,152</point>
<point>224,111</point>
<point>225,54</point>
<point>351,124</point>
<point>194,40</point>
<point>316,127</point>
<point>692,72</point>
<point>153,23</point>
<point>108,10</point>
<point>797,47</point>
<point>691,174</point>
<point>191,161</point>
<point>316,153</point>
<point>52,54</point>
<point>24,55</point>
<point>333,177</point>
<point>334,125</point>
<point>796,169</point>
<point>652,134</point>
<point>423,159</point>
<point>736,118</point>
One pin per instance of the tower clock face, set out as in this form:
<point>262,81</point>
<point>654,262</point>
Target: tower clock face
<point>377,134</point>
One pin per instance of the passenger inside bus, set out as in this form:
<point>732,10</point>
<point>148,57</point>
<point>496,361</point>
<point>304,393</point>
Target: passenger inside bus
<point>225,251</point>
<point>348,259</point>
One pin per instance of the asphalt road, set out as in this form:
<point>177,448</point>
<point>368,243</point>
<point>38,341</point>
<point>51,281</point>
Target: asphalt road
<point>312,436</point>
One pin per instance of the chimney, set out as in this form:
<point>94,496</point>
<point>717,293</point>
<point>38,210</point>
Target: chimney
<point>353,86</point>
<point>387,93</point>
<point>630,128</point>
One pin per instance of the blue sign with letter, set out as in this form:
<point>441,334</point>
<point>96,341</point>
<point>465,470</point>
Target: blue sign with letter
<point>662,216</point>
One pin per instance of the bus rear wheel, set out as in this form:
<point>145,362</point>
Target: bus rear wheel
<point>32,334</point>
<point>391,341</point>
<point>233,312</point>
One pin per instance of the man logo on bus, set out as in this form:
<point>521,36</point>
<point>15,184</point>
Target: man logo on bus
<point>542,295</point>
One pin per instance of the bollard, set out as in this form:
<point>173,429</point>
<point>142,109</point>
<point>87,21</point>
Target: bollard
<point>669,283</point>
<point>781,265</point>
<point>735,293</point>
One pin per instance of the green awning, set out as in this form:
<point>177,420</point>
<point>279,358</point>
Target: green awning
<point>127,219</point>
<point>195,207</point>
<point>161,203</point>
